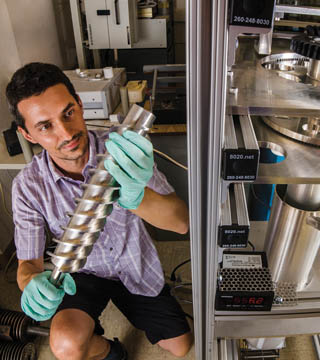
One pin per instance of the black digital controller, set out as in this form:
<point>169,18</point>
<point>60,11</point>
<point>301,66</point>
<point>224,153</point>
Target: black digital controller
<point>244,282</point>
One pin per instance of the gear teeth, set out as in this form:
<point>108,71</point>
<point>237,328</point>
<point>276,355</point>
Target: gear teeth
<point>308,46</point>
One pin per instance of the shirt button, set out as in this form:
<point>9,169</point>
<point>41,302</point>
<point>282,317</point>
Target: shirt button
<point>111,249</point>
<point>119,272</point>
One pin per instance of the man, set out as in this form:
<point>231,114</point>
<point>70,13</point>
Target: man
<point>123,265</point>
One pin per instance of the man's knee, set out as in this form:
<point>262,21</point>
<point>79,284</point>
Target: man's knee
<point>66,346</point>
<point>178,346</point>
<point>69,337</point>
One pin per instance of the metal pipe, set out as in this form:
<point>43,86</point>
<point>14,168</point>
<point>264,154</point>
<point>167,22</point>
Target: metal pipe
<point>316,343</point>
<point>223,349</point>
<point>301,10</point>
<point>124,100</point>
<point>38,330</point>
<point>95,205</point>
<point>265,43</point>
<point>303,196</point>
<point>78,33</point>
<point>292,241</point>
<point>154,86</point>
<point>15,325</point>
<point>314,69</point>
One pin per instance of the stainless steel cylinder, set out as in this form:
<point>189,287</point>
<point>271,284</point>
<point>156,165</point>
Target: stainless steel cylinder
<point>314,69</point>
<point>303,196</point>
<point>292,241</point>
<point>124,100</point>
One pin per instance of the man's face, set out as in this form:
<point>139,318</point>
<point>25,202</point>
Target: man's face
<point>54,119</point>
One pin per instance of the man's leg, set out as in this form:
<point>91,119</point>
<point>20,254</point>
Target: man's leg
<point>75,329</point>
<point>161,317</point>
<point>178,346</point>
<point>72,337</point>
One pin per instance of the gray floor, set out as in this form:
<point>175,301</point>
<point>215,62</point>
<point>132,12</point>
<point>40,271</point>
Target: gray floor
<point>114,323</point>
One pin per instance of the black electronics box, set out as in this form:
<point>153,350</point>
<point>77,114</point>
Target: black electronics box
<point>233,236</point>
<point>240,164</point>
<point>244,282</point>
<point>12,141</point>
<point>251,13</point>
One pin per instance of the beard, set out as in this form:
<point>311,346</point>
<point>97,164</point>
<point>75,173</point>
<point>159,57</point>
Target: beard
<point>77,152</point>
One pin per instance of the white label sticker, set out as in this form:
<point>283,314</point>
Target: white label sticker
<point>237,261</point>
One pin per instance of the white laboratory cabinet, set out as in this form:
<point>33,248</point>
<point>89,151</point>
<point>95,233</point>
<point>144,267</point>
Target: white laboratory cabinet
<point>111,24</point>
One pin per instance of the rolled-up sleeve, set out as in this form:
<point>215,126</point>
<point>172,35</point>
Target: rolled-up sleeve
<point>29,233</point>
<point>159,182</point>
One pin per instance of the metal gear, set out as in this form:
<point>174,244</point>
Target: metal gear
<point>308,46</point>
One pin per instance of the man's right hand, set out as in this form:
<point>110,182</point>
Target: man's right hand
<point>40,298</point>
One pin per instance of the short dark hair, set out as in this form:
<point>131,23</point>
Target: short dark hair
<point>33,79</point>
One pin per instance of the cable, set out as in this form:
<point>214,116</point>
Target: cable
<point>100,126</point>
<point>253,247</point>
<point>4,202</point>
<point>173,275</point>
<point>173,292</point>
<point>167,157</point>
<point>188,315</point>
<point>158,152</point>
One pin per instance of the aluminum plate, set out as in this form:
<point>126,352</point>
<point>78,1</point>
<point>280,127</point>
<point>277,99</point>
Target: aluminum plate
<point>305,129</point>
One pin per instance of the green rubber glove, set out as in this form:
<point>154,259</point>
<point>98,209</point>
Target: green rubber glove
<point>134,157</point>
<point>40,299</point>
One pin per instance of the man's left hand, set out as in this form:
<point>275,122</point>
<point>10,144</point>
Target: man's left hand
<point>134,166</point>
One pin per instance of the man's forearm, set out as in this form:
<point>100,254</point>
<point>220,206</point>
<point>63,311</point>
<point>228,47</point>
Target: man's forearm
<point>166,212</point>
<point>27,269</point>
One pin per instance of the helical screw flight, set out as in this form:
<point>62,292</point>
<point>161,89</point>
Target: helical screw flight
<point>93,208</point>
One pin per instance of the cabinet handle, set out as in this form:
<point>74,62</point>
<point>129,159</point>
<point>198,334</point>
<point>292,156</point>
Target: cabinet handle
<point>103,12</point>
<point>116,9</point>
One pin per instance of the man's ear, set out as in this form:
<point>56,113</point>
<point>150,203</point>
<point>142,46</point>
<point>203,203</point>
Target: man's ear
<point>26,135</point>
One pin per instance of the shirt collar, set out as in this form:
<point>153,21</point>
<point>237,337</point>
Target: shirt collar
<point>92,161</point>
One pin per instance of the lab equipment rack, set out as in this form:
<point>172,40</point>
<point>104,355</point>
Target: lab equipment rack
<point>212,96</point>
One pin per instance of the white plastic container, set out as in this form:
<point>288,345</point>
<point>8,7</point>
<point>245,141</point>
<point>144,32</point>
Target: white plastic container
<point>136,90</point>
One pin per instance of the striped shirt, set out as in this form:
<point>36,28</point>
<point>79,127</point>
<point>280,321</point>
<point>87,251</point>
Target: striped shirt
<point>124,251</point>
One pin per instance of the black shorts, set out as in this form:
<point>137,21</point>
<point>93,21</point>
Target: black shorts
<point>161,317</point>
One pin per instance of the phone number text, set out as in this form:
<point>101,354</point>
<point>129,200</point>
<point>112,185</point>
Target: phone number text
<point>248,20</point>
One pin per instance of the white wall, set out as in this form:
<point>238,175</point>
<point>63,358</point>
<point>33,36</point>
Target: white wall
<point>9,61</point>
<point>35,31</point>
<point>28,33</point>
